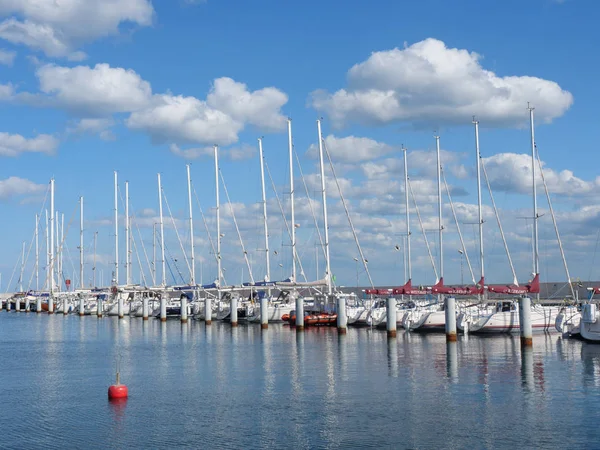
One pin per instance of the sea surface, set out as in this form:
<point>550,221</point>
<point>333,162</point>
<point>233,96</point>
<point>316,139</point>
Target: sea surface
<point>193,386</point>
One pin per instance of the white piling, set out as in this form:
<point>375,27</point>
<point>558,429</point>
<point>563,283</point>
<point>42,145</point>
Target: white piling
<point>50,304</point>
<point>27,305</point>
<point>81,307</point>
<point>525,322</point>
<point>99,311</point>
<point>299,314</point>
<point>450,311</point>
<point>120,306</point>
<point>264,313</point>
<point>18,305</point>
<point>145,308</point>
<point>391,317</point>
<point>184,311</point>
<point>342,318</point>
<point>163,308</point>
<point>207,310</point>
<point>38,305</point>
<point>233,312</point>
<point>65,307</point>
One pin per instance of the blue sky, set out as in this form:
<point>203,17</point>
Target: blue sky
<point>93,86</point>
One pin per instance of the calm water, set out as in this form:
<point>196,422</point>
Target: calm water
<point>217,387</point>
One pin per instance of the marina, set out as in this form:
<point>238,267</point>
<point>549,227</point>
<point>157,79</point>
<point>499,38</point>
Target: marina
<point>192,385</point>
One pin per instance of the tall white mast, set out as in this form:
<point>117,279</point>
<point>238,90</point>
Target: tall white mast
<point>408,258</point>
<point>61,247</point>
<point>81,281</point>
<point>22,268</point>
<point>264,201</point>
<point>193,267</point>
<point>51,265</point>
<point>325,220</point>
<point>94,268</point>
<point>536,262</point>
<point>479,205</point>
<point>127,237</point>
<point>48,270</point>
<point>218,213</point>
<point>441,225</point>
<point>57,250</point>
<point>37,253</point>
<point>154,254</point>
<point>293,218</point>
<point>116,234</point>
<point>162,234</point>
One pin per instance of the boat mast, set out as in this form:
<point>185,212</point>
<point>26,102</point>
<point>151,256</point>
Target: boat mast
<point>162,235</point>
<point>127,238</point>
<point>218,213</point>
<point>22,267</point>
<point>324,200</point>
<point>37,253</point>
<point>479,203</point>
<point>154,254</point>
<point>193,267</point>
<point>116,234</point>
<point>94,268</point>
<point>47,282</point>
<point>536,262</point>
<point>51,265</point>
<point>439,184</point>
<point>61,248</point>
<point>408,259</point>
<point>293,218</point>
<point>264,201</point>
<point>81,282</point>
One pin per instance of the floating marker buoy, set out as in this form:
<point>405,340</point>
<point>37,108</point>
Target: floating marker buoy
<point>118,390</point>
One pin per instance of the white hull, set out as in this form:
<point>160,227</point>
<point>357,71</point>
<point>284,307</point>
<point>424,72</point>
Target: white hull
<point>568,321</point>
<point>543,318</point>
<point>590,322</point>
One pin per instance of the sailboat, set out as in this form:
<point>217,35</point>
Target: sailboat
<point>504,317</point>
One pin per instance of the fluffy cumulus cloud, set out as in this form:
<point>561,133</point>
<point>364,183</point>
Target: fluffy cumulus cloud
<point>15,186</point>
<point>94,90</point>
<point>94,126</point>
<point>511,172</point>
<point>59,28</point>
<point>429,83</point>
<point>352,149</point>
<point>15,144</point>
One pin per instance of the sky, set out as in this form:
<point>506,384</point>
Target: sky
<point>141,87</point>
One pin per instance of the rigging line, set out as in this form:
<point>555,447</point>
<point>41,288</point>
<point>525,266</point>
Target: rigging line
<point>287,226</point>
<point>560,246</point>
<point>13,273</point>
<point>462,242</point>
<point>237,228</point>
<point>310,203</point>
<point>134,220</point>
<point>210,240</point>
<point>33,238</point>
<point>170,256</point>
<point>137,254</point>
<point>487,182</point>
<point>412,193</point>
<point>364,261</point>
<point>177,232</point>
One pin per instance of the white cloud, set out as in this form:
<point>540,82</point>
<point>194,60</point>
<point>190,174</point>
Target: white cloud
<point>261,108</point>
<point>99,126</point>
<point>7,57</point>
<point>58,28</point>
<point>95,91</point>
<point>185,119</point>
<point>15,186</point>
<point>511,172</point>
<point>429,83</point>
<point>15,144</point>
<point>352,149</point>
<point>6,91</point>
<point>191,153</point>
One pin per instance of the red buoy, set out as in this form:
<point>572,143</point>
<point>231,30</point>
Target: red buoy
<point>118,390</point>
